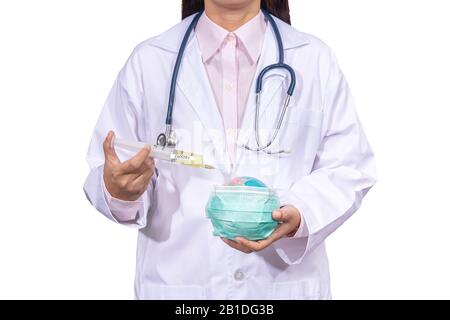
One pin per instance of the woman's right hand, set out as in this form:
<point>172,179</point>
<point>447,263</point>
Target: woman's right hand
<point>126,180</point>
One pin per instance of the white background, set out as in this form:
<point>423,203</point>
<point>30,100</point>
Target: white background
<point>58,60</point>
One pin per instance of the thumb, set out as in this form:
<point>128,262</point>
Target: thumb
<point>108,148</point>
<point>281,214</point>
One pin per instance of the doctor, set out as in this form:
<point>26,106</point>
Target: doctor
<point>321,179</point>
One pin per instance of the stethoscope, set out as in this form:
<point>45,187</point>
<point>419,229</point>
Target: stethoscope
<point>169,139</point>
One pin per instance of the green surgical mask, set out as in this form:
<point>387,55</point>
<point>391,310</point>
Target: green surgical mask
<point>242,211</point>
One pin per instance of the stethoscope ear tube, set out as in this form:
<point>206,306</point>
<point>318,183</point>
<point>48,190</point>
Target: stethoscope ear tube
<point>176,69</point>
<point>276,130</point>
<point>292,83</point>
<point>259,86</point>
<point>166,138</point>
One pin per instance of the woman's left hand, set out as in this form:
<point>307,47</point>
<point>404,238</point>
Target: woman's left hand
<point>289,218</point>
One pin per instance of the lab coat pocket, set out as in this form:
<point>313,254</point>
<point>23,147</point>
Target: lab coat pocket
<point>303,132</point>
<point>162,292</point>
<point>303,116</point>
<point>300,134</point>
<point>297,290</point>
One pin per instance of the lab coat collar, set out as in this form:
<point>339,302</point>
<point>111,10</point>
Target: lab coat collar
<point>171,39</point>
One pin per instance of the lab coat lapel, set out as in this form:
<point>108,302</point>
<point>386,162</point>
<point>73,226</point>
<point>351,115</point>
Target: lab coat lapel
<point>194,84</point>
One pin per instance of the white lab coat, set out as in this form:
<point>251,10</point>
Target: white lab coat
<point>326,175</point>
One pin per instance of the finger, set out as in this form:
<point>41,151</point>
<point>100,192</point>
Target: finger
<point>147,166</point>
<point>150,162</point>
<point>282,230</point>
<point>252,245</point>
<point>141,182</point>
<point>108,148</point>
<point>135,163</point>
<point>147,169</point>
<point>236,245</point>
<point>282,214</point>
<point>279,233</point>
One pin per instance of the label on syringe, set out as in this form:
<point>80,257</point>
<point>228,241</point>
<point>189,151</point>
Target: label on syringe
<point>188,158</point>
<point>184,157</point>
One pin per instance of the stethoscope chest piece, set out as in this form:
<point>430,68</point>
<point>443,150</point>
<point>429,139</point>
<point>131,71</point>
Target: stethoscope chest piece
<point>167,139</point>
<point>162,140</point>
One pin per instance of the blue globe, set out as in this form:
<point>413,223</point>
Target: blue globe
<point>246,181</point>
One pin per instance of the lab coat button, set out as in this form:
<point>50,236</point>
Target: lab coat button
<point>239,275</point>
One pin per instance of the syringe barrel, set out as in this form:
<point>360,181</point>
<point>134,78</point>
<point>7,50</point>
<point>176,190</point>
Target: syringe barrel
<point>135,146</point>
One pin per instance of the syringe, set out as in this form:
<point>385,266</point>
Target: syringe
<point>166,154</point>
